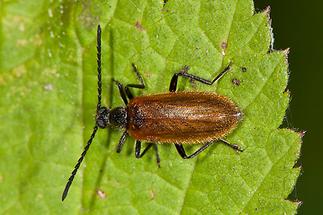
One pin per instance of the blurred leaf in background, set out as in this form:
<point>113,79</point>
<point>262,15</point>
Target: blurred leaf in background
<point>48,87</point>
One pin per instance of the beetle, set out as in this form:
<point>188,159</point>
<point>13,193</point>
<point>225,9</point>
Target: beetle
<point>174,117</point>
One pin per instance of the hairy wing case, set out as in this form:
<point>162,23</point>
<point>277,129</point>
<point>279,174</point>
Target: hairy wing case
<point>183,117</point>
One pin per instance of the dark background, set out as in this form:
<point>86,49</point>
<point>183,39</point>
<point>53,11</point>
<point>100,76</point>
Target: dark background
<point>298,25</point>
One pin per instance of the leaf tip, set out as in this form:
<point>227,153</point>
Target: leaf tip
<point>302,133</point>
<point>286,52</point>
<point>298,166</point>
<point>267,10</point>
<point>266,13</point>
<point>298,203</point>
<point>287,92</point>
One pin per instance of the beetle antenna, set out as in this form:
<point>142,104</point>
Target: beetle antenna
<point>98,42</point>
<point>86,148</point>
<point>71,178</point>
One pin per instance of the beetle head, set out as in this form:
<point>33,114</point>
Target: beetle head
<point>102,117</point>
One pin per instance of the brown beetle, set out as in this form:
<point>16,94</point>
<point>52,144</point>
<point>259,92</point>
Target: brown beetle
<point>174,117</point>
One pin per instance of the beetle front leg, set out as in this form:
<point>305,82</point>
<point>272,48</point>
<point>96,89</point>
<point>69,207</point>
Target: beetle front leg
<point>139,86</point>
<point>121,91</point>
<point>122,141</point>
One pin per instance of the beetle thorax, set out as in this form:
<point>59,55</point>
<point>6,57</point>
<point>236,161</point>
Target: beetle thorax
<point>118,117</point>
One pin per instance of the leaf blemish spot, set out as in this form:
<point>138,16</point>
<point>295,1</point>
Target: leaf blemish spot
<point>19,71</point>
<point>236,81</point>
<point>152,195</point>
<point>22,42</point>
<point>48,87</point>
<point>224,46</point>
<point>22,27</point>
<point>139,26</point>
<point>50,13</point>
<point>243,69</point>
<point>101,194</point>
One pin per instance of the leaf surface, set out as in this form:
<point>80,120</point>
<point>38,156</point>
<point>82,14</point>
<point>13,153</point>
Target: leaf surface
<point>48,86</point>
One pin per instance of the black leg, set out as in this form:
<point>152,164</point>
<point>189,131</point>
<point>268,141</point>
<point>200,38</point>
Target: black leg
<point>157,155</point>
<point>183,73</point>
<point>182,153</point>
<point>233,146</point>
<point>138,149</point>
<point>121,91</point>
<point>173,82</point>
<point>122,141</point>
<point>139,86</point>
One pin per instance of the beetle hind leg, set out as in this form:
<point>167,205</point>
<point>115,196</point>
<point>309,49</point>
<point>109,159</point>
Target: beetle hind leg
<point>122,141</point>
<point>182,153</point>
<point>233,146</point>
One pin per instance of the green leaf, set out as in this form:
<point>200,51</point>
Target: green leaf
<point>48,100</point>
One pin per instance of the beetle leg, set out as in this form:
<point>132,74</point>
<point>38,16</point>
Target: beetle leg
<point>157,155</point>
<point>183,73</point>
<point>139,86</point>
<point>122,141</point>
<point>173,82</point>
<point>182,153</point>
<point>233,146</point>
<point>122,92</point>
<point>138,149</point>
